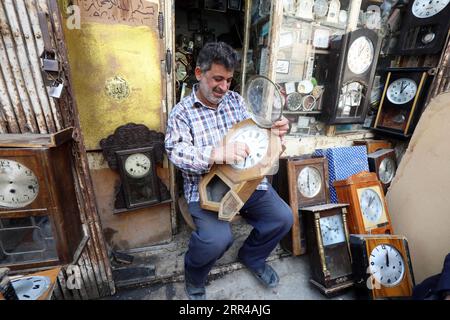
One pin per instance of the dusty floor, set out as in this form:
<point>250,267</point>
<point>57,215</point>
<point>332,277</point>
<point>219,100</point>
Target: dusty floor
<point>229,280</point>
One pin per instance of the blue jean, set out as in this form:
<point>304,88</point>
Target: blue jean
<point>270,217</point>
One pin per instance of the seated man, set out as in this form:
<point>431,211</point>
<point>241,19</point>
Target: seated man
<point>195,129</point>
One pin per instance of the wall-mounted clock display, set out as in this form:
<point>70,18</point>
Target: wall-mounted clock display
<point>40,221</point>
<point>181,66</point>
<point>383,163</point>
<point>226,187</point>
<point>307,185</point>
<point>373,145</point>
<point>134,150</point>
<point>328,247</point>
<point>368,211</point>
<point>401,103</point>
<point>425,27</point>
<point>353,58</point>
<point>294,101</point>
<point>381,266</point>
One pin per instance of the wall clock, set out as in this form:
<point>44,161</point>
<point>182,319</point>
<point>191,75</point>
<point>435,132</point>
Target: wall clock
<point>353,57</point>
<point>425,27</point>
<point>401,103</point>
<point>383,163</point>
<point>333,11</point>
<point>226,187</point>
<point>305,9</point>
<point>328,247</point>
<point>40,221</point>
<point>368,211</point>
<point>320,8</point>
<point>307,185</point>
<point>381,266</point>
<point>181,66</point>
<point>134,150</point>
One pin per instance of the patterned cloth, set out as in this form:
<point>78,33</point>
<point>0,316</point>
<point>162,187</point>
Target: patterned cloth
<point>193,129</point>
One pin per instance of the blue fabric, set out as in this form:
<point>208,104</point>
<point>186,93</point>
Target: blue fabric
<point>270,217</point>
<point>433,288</point>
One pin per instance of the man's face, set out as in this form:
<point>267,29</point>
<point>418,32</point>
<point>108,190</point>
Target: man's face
<point>213,84</point>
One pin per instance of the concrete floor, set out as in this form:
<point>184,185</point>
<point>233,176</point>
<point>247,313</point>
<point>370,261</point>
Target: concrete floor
<point>228,280</point>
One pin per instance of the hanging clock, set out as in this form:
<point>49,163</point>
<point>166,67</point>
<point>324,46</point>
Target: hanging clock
<point>307,185</point>
<point>425,27</point>
<point>294,101</point>
<point>368,211</point>
<point>353,58</point>
<point>305,9</point>
<point>381,266</point>
<point>383,163</point>
<point>40,222</point>
<point>401,104</point>
<point>328,247</point>
<point>181,66</point>
<point>134,150</point>
<point>226,187</point>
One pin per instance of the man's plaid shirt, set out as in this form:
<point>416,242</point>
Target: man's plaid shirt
<point>193,129</point>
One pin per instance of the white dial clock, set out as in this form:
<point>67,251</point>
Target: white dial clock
<point>320,8</point>
<point>305,9</point>
<point>309,182</point>
<point>257,140</point>
<point>401,91</point>
<point>137,165</point>
<point>333,11</point>
<point>332,230</point>
<point>360,55</point>
<point>371,205</point>
<point>386,170</point>
<point>18,184</point>
<point>387,265</point>
<point>428,8</point>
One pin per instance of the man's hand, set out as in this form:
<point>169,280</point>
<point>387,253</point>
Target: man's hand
<point>234,152</point>
<point>281,127</point>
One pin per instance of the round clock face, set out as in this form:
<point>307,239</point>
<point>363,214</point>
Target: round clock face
<point>257,139</point>
<point>371,205</point>
<point>360,55</point>
<point>181,73</point>
<point>137,165</point>
<point>294,101</point>
<point>387,265</point>
<point>428,8</point>
<point>332,230</point>
<point>401,91</point>
<point>18,184</point>
<point>309,182</point>
<point>386,170</point>
<point>320,8</point>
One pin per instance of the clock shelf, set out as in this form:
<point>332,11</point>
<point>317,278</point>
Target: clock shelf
<point>316,23</point>
<point>302,112</point>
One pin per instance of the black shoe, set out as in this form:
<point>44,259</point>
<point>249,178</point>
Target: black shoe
<point>193,292</point>
<point>266,275</point>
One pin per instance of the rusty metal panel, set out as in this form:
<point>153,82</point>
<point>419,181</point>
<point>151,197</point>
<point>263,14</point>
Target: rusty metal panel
<point>115,58</point>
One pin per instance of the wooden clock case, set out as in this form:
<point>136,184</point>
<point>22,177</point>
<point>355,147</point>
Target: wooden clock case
<point>347,192</point>
<point>373,145</point>
<point>375,159</point>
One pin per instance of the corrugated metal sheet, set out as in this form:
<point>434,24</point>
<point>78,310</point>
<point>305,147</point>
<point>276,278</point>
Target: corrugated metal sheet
<point>25,106</point>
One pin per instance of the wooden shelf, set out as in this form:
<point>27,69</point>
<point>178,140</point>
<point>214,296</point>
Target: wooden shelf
<point>302,112</point>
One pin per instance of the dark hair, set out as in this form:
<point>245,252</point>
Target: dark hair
<point>219,53</point>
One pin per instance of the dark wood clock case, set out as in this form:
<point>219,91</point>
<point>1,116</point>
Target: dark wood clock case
<point>48,231</point>
<point>338,74</point>
<point>132,193</point>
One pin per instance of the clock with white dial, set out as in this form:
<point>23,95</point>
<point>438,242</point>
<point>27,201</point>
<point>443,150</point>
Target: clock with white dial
<point>386,170</point>
<point>309,182</point>
<point>332,230</point>
<point>371,205</point>
<point>320,8</point>
<point>386,265</point>
<point>257,140</point>
<point>333,11</point>
<point>360,55</point>
<point>305,9</point>
<point>401,91</point>
<point>428,8</point>
<point>137,165</point>
<point>19,185</point>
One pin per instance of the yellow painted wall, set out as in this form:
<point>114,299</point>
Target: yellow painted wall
<point>116,73</point>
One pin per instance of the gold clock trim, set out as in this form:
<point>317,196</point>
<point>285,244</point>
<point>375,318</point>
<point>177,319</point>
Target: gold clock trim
<point>320,244</point>
<point>382,99</point>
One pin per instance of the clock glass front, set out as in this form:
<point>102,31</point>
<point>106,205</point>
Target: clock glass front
<point>401,91</point>
<point>257,140</point>
<point>332,230</point>
<point>309,182</point>
<point>426,8</point>
<point>360,55</point>
<point>137,165</point>
<point>19,185</point>
<point>387,265</point>
<point>386,170</point>
<point>371,205</point>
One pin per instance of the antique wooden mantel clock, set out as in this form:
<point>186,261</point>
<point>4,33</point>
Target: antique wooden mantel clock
<point>134,150</point>
<point>40,222</point>
<point>227,187</point>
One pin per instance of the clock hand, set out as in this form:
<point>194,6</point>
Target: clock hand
<point>387,259</point>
